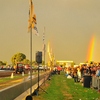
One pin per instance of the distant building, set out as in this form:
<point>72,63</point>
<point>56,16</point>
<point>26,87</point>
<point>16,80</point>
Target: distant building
<point>65,63</point>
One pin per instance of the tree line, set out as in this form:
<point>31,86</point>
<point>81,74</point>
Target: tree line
<point>3,63</point>
<point>20,57</point>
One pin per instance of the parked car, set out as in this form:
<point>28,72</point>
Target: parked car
<point>12,68</point>
<point>27,67</point>
<point>41,67</point>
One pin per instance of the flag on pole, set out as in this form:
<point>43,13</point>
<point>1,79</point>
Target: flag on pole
<point>44,46</point>
<point>49,52</point>
<point>32,20</point>
<point>44,36</point>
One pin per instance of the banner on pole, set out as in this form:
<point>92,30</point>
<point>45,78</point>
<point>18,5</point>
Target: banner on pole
<point>32,20</point>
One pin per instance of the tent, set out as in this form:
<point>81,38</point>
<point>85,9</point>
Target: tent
<point>59,68</point>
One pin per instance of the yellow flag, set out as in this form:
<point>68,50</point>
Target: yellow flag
<point>32,20</point>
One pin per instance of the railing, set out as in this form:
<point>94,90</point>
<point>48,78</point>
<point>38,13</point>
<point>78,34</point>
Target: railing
<point>14,91</point>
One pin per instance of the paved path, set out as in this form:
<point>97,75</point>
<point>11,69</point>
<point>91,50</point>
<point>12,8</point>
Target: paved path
<point>4,71</point>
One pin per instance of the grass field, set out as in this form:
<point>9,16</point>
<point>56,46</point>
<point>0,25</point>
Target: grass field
<point>61,88</point>
<point>9,78</point>
<point>15,77</point>
<point>8,81</point>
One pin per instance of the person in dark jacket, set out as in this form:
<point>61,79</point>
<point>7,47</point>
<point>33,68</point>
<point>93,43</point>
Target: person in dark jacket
<point>82,72</point>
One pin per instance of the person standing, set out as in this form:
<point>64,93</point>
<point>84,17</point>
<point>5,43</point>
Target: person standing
<point>82,72</point>
<point>98,79</point>
<point>75,75</point>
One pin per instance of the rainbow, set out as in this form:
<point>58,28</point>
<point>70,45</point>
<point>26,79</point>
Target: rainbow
<point>90,53</point>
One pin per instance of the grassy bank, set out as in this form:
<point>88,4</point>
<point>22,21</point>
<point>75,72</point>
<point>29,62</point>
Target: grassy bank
<point>15,77</point>
<point>61,88</point>
<point>8,81</point>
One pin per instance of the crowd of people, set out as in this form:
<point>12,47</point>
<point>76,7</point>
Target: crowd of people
<point>83,70</point>
<point>78,72</point>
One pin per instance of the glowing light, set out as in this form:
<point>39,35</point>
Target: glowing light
<point>49,53</point>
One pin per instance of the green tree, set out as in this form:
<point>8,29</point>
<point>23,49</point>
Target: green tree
<point>42,63</point>
<point>4,62</point>
<point>19,57</point>
<point>1,63</point>
<point>25,61</point>
<point>33,63</point>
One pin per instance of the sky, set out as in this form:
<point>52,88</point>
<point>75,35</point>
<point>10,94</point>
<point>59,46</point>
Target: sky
<point>69,27</point>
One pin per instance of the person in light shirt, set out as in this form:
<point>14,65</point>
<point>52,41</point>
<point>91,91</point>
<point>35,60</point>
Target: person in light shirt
<point>98,72</point>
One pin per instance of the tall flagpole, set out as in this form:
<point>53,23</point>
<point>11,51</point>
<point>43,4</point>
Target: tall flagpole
<point>31,46</point>
<point>44,55</point>
<point>31,60</point>
<point>32,24</point>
